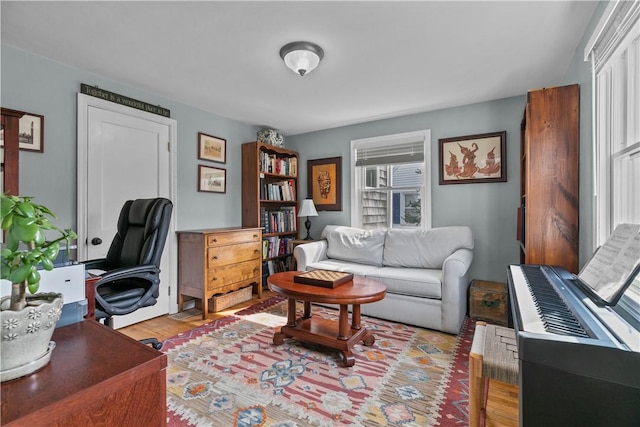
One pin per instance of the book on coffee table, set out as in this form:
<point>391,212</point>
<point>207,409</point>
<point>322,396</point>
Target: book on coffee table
<point>324,278</point>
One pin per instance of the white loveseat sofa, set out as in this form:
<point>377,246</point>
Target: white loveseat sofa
<point>425,271</point>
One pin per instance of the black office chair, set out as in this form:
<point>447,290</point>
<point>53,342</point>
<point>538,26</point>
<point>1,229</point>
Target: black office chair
<point>132,266</point>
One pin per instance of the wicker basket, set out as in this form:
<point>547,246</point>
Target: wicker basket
<point>220,302</point>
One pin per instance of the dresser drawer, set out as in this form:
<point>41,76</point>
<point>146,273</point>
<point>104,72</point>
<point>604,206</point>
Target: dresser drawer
<point>226,275</point>
<point>218,256</point>
<point>221,239</point>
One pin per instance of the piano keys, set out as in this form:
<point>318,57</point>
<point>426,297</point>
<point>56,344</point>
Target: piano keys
<point>578,350</point>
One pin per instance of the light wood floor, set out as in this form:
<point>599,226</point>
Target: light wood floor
<point>502,405</point>
<point>164,327</point>
<point>502,401</point>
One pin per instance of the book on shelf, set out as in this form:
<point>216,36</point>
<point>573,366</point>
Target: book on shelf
<point>279,165</point>
<point>276,246</point>
<point>275,266</point>
<point>283,220</point>
<point>278,190</point>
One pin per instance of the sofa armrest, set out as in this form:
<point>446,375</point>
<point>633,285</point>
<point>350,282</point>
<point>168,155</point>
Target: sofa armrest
<point>308,253</point>
<point>455,282</point>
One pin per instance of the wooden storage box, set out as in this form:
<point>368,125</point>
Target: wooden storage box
<point>488,301</point>
<point>220,302</point>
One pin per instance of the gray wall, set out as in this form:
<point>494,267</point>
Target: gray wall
<point>41,86</point>
<point>45,87</point>
<point>489,209</point>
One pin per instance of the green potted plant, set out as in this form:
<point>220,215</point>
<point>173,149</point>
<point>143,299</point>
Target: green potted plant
<point>27,321</point>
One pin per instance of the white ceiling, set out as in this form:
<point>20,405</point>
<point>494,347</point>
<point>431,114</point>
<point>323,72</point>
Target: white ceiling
<point>382,59</point>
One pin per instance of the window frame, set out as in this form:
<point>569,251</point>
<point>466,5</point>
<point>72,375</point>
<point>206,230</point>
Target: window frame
<point>423,136</point>
<point>619,25</point>
<point>616,121</point>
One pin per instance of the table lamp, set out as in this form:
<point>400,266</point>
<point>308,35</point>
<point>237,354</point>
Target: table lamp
<point>307,208</point>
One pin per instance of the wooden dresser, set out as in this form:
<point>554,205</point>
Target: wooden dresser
<point>96,376</point>
<point>217,261</point>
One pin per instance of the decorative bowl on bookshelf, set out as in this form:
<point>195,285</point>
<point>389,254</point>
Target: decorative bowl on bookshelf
<point>271,136</point>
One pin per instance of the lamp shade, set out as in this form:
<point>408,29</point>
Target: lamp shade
<point>307,208</point>
<point>301,57</point>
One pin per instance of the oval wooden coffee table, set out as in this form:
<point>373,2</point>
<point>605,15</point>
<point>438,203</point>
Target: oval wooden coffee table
<point>329,333</point>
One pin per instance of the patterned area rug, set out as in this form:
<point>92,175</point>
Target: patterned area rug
<point>229,373</point>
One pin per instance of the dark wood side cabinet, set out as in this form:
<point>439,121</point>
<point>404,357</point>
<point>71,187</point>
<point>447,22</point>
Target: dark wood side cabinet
<point>10,162</point>
<point>97,376</point>
<point>549,177</point>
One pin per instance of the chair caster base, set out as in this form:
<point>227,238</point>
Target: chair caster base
<point>153,342</point>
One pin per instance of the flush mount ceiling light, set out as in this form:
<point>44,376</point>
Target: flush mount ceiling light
<point>301,57</point>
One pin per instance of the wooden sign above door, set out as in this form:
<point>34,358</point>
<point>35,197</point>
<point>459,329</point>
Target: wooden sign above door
<point>123,100</point>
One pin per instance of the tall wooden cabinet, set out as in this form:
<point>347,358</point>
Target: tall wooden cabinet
<point>270,199</point>
<point>549,178</point>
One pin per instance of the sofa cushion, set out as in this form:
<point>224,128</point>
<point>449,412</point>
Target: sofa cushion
<point>424,248</point>
<point>418,282</point>
<point>354,244</point>
<point>346,266</point>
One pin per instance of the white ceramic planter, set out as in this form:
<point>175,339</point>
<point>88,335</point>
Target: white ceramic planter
<point>25,335</point>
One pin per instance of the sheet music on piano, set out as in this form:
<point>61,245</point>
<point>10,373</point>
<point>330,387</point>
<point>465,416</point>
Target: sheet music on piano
<point>615,264</point>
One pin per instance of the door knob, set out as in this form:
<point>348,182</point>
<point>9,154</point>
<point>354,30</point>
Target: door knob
<point>96,241</point>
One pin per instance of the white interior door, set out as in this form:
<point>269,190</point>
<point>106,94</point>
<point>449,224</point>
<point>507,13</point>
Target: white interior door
<point>127,157</point>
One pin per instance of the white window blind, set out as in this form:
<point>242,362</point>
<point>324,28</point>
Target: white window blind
<point>409,152</point>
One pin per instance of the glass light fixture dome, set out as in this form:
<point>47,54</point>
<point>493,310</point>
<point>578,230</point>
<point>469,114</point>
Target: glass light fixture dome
<point>301,57</point>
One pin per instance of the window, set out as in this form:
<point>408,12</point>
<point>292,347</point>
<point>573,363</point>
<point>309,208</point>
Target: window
<point>614,51</point>
<point>389,178</point>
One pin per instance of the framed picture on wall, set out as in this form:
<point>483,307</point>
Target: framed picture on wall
<point>473,158</point>
<point>31,133</point>
<point>212,148</point>
<point>324,183</point>
<point>212,180</point>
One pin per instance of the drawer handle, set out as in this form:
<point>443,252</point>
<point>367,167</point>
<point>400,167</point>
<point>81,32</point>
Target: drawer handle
<point>215,240</point>
<point>215,257</point>
<point>255,236</point>
<point>256,251</point>
<point>215,278</point>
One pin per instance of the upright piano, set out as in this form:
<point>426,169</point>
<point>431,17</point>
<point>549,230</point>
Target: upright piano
<point>579,338</point>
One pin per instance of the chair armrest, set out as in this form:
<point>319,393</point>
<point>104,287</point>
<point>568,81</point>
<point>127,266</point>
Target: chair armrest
<point>308,253</point>
<point>126,272</point>
<point>455,283</point>
<point>147,272</point>
<point>95,264</point>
